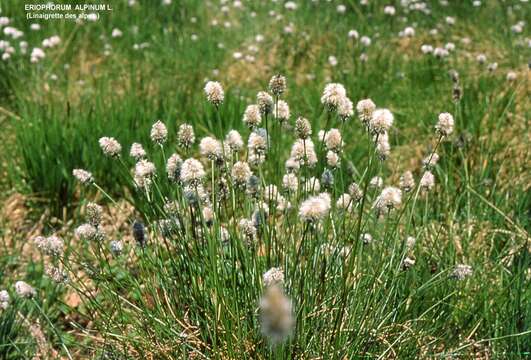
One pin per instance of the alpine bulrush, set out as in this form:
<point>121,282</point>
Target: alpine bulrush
<point>185,136</point>
<point>214,93</point>
<point>110,146</point>
<point>83,176</point>
<point>159,133</point>
<point>277,85</point>
<point>315,208</point>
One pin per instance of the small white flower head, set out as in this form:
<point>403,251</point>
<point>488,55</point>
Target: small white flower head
<point>366,41</point>
<point>332,60</point>
<point>210,148</point>
<point>159,133</point>
<point>93,213</point>
<point>257,143</point>
<point>234,141</point>
<point>333,140</point>
<point>192,172</point>
<point>492,66</point>
<point>355,192</point>
<point>137,152</point>
<point>240,173</point>
<point>427,182</point>
<point>315,208</point>
<point>353,34</point>
<point>292,165</point>
<point>445,124</point>
<point>144,171</point>
<point>430,160</point>
<point>440,53</point>
<point>208,215</point>
<point>173,167</point>
<point>276,315</point>
<point>247,228</point>
<point>83,176</point>
<point>389,10</point>
<point>481,58</point>
<point>4,299</point>
<point>376,182</point>
<point>277,85</point>
<point>304,152</point>
<point>25,290</point>
<point>381,121</point>
<point>407,181</point>
<point>273,276</point>
<point>214,92</point>
<point>462,271</point>
<point>345,109</point>
<point>450,20</point>
<point>252,116</point>
<point>409,31</point>
<point>116,33</point>
<point>332,159</point>
<point>511,76</point>
<point>185,136</point>
<point>344,202</point>
<point>366,238</point>
<point>281,111</point>
<point>88,232</point>
<point>110,146</point>
<point>333,95</point>
<point>365,109</point>
<point>389,199</point>
<point>408,263</point>
<point>449,46</point>
<point>57,274</point>
<point>116,247</point>
<point>265,102</point>
<point>51,245</point>
<point>290,182</point>
<point>410,242</point>
<point>303,128</point>
<point>426,49</point>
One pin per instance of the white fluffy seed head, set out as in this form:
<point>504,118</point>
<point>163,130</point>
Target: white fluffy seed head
<point>265,102</point>
<point>241,172</point>
<point>173,167</point>
<point>192,172</point>
<point>277,85</point>
<point>315,208</point>
<point>159,133</point>
<point>303,128</point>
<point>390,198</point>
<point>381,121</point>
<point>462,271</point>
<point>83,176</point>
<point>407,181</point>
<point>345,109</point>
<point>333,95</point>
<point>355,192</point>
<point>110,146</point>
<point>252,116</point>
<point>430,160</point>
<point>276,315</point>
<point>214,92</point>
<point>365,109</point>
<point>344,202</point>
<point>25,290</point>
<point>273,276</point>
<point>290,182</point>
<point>185,136</point>
<point>234,140</point>
<point>210,148</point>
<point>51,245</point>
<point>333,140</point>
<point>427,182</point>
<point>332,159</point>
<point>137,152</point>
<point>445,124</point>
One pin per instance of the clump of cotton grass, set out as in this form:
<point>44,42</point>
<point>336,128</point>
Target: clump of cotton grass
<point>333,140</point>
<point>24,290</point>
<point>333,95</point>
<point>290,182</point>
<point>234,141</point>
<point>365,109</point>
<point>389,199</point>
<point>445,124</point>
<point>427,182</point>
<point>276,315</point>
<point>303,128</point>
<point>315,208</point>
<point>265,102</point>
<point>303,151</point>
<point>281,111</point>
<point>51,245</point>
<point>252,116</point>
<point>144,172</point>
<point>110,146</point>
<point>192,172</point>
<point>240,173</point>
<point>173,167</point>
<point>185,136</point>
<point>137,151</point>
<point>159,133</point>
<point>210,148</point>
<point>214,93</point>
<point>277,85</point>
<point>273,277</point>
<point>83,176</point>
<point>461,272</point>
<point>381,121</point>
<point>407,182</point>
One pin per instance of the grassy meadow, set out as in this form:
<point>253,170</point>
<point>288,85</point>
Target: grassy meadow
<point>354,182</point>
